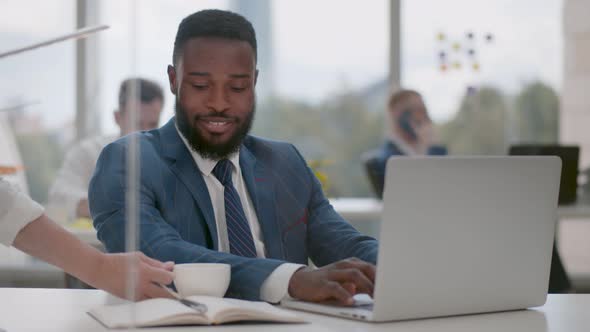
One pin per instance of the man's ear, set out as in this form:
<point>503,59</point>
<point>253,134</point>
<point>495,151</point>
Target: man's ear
<point>172,79</point>
<point>256,77</point>
<point>118,117</point>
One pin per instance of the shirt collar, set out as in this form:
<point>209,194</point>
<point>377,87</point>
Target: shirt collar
<point>402,145</point>
<point>206,165</point>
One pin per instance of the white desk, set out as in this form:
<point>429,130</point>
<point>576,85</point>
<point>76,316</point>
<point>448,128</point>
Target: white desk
<point>362,210</point>
<point>574,211</point>
<point>18,268</point>
<point>358,209</point>
<point>369,209</point>
<point>64,310</point>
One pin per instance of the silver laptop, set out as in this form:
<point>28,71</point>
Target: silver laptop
<point>460,235</point>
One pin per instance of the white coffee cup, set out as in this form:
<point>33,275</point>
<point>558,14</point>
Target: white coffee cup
<point>210,279</point>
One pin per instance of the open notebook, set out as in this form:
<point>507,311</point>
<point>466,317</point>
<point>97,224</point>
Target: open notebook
<point>160,312</point>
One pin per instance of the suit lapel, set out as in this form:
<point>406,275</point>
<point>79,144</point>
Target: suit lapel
<point>261,189</point>
<point>183,165</point>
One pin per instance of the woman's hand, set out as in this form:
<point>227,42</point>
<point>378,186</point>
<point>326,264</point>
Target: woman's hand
<point>114,271</point>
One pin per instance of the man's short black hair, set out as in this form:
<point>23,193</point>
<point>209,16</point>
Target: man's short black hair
<point>148,91</point>
<point>213,23</point>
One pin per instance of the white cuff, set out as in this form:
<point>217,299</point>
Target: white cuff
<point>276,287</point>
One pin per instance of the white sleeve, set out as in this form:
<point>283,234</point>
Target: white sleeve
<point>71,183</point>
<point>276,286</point>
<point>16,211</point>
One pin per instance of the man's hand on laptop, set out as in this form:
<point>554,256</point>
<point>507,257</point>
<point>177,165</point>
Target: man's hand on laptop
<point>339,282</point>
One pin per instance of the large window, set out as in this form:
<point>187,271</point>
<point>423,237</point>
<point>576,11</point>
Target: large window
<point>489,71</point>
<point>323,69</point>
<point>37,111</point>
<point>490,76</point>
<point>330,72</point>
<point>37,93</point>
<point>146,56</point>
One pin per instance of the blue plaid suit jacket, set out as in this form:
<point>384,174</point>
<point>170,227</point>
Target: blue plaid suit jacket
<point>176,215</point>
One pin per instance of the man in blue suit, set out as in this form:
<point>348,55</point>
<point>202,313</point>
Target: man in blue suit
<point>209,192</point>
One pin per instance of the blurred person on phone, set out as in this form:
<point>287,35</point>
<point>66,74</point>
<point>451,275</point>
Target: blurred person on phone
<point>410,133</point>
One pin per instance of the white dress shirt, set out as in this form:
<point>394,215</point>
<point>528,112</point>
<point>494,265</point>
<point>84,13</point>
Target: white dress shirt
<point>403,146</point>
<point>16,211</point>
<point>275,287</point>
<point>73,178</point>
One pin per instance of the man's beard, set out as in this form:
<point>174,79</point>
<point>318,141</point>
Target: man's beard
<point>210,150</point>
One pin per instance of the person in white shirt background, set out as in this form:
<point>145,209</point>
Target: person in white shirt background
<point>24,225</point>
<point>68,199</point>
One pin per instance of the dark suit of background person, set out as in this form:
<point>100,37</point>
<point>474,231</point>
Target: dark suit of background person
<point>410,133</point>
<point>213,80</point>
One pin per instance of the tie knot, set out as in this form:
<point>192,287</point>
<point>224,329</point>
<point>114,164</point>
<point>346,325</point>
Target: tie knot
<point>222,171</point>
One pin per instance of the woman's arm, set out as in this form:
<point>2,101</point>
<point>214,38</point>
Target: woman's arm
<point>48,241</point>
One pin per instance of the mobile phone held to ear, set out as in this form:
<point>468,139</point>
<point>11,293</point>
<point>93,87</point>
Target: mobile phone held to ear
<point>406,125</point>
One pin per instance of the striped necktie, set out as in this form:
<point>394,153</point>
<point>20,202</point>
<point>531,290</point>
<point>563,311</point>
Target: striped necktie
<point>240,238</point>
